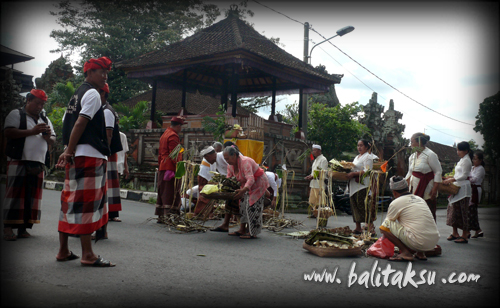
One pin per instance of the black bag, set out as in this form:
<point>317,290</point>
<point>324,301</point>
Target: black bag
<point>15,147</point>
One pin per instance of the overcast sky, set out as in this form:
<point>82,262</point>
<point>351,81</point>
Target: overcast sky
<point>443,55</point>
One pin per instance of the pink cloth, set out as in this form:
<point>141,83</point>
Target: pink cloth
<point>248,168</point>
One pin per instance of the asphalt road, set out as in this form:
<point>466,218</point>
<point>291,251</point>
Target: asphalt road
<point>158,267</point>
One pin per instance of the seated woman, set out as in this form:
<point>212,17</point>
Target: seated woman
<point>409,223</point>
<point>254,184</point>
<point>204,206</point>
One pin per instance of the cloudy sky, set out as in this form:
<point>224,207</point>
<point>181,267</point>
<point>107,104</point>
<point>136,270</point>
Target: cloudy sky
<point>443,55</point>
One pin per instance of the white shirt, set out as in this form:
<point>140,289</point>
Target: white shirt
<point>413,213</point>
<point>221,164</point>
<point>109,117</point>
<point>462,171</point>
<point>320,163</point>
<point>426,162</point>
<point>361,163</point>
<point>273,183</point>
<point>91,103</point>
<point>35,147</point>
<point>476,177</point>
<point>120,156</point>
<point>205,170</point>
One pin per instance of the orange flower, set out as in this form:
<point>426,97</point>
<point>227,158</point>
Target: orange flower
<point>384,166</point>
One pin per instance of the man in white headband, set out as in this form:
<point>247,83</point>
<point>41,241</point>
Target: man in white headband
<point>317,187</point>
<point>409,223</point>
<point>209,156</point>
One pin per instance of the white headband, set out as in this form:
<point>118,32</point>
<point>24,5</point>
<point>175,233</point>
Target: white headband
<point>206,151</point>
<point>316,146</point>
<point>398,185</point>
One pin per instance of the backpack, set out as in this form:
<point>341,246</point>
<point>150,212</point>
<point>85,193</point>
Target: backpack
<point>15,147</point>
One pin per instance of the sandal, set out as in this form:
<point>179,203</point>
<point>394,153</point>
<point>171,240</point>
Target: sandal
<point>115,219</point>
<point>10,237</point>
<point>247,237</point>
<point>23,235</point>
<point>71,256</point>
<point>100,262</point>
<point>424,258</point>
<point>461,240</point>
<point>219,229</point>
<point>480,234</point>
<point>451,237</point>
<point>235,233</point>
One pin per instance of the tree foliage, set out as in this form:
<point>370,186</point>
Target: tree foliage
<point>59,95</point>
<point>124,29</point>
<point>59,70</point>
<point>336,129</point>
<point>137,117</point>
<point>488,125</point>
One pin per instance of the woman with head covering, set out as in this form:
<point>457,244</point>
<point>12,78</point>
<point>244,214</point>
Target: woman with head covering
<point>359,190</point>
<point>209,156</point>
<point>28,134</point>
<point>476,178</point>
<point>457,215</point>
<point>424,171</point>
<point>254,184</point>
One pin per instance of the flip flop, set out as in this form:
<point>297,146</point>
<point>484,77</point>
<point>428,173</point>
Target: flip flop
<point>420,258</point>
<point>219,229</point>
<point>480,234</point>
<point>10,237</point>
<point>100,262</point>
<point>451,237</point>
<point>71,256</point>
<point>247,237</point>
<point>399,258</point>
<point>24,235</point>
<point>461,240</point>
<point>235,233</point>
<point>115,219</point>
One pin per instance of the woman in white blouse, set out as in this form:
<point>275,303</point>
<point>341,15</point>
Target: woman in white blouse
<point>476,178</point>
<point>424,171</point>
<point>359,190</point>
<point>458,208</point>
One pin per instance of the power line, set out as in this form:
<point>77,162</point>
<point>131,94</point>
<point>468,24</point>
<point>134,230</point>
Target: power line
<point>312,29</point>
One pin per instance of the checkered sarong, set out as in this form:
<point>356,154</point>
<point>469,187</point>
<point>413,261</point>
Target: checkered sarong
<point>84,206</point>
<point>114,201</point>
<point>23,195</point>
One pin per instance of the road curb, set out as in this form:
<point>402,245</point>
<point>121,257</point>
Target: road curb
<point>134,195</point>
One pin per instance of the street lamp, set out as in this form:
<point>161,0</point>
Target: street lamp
<point>340,32</point>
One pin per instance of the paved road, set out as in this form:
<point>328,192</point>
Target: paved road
<point>158,267</point>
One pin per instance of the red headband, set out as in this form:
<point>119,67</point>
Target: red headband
<point>105,88</point>
<point>40,94</point>
<point>95,64</point>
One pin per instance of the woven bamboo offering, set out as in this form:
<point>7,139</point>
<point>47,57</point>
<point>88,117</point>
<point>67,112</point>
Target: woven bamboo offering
<point>377,165</point>
<point>450,189</point>
<point>339,176</point>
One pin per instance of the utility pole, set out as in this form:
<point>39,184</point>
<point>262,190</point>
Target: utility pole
<point>305,107</point>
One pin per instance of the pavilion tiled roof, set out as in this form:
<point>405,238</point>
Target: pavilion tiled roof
<point>445,153</point>
<point>228,35</point>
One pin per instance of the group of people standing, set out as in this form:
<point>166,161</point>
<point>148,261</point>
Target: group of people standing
<point>91,193</point>
<point>94,148</point>
<point>421,182</point>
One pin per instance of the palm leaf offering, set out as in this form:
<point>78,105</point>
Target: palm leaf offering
<point>332,238</point>
<point>343,166</point>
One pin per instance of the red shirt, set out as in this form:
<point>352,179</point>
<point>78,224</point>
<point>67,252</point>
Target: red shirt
<point>168,141</point>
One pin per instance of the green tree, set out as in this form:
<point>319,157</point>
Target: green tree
<point>137,117</point>
<point>59,96</point>
<point>488,125</point>
<point>336,129</point>
<point>59,70</point>
<point>124,29</point>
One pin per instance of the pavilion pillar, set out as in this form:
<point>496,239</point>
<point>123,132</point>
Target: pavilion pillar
<point>184,85</point>
<point>300,133</point>
<point>234,91</point>
<point>152,123</point>
<point>223,97</point>
<point>273,117</point>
